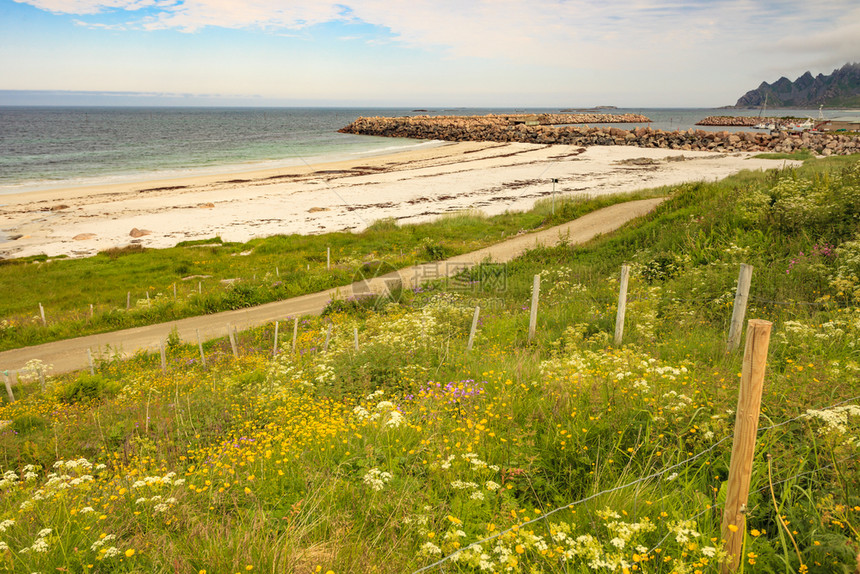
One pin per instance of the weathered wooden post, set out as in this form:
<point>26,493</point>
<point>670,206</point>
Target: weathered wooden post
<point>275,348</point>
<point>534,310</point>
<point>163,356</point>
<point>91,311</point>
<point>355,337</point>
<point>328,258</point>
<point>740,307</point>
<point>473,329</point>
<point>128,300</point>
<point>200,346</point>
<point>743,447</point>
<point>622,304</point>
<point>8,382</point>
<point>327,338</point>
<point>42,313</point>
<point>295,332</point>
<point>174,290</point>
<point>232,338</point>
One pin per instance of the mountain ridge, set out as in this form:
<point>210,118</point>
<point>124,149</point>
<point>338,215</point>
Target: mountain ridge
<point>840,89</point>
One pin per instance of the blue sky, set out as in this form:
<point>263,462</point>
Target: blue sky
<point>537,53</point>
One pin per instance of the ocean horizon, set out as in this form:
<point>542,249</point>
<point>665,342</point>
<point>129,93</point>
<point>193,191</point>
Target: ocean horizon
<point>51,147</point>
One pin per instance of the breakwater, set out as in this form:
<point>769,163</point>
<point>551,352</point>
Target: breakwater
<point>746,121</point>
<point>516,129</point>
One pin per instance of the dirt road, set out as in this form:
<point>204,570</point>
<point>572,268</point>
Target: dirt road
<point>71,354</point>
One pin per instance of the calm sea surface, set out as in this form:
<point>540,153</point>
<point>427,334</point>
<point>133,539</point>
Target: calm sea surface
<point>45,147</point>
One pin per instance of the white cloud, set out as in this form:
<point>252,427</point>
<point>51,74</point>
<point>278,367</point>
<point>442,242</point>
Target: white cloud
<point>570,34</point>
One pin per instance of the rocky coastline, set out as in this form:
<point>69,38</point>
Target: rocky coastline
<point>515,129</point>
<point>747,121</point>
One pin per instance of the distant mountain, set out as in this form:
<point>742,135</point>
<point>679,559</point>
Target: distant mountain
<point>841,89</point>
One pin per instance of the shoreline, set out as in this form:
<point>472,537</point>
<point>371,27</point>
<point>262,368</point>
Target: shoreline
<point>347,195</point>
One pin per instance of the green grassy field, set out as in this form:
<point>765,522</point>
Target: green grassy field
<point>134,287</point>
<point>561,454</point>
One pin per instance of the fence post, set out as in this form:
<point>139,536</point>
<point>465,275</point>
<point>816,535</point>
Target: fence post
<point>740,307</point>
<point>92,366</point>
<point>163,356</point>
<point>232,341</point>
<point>9,387</point>
<point>534,309</point>
<point>42,313</point>
<point>200,346</point>
<point>328,258</point>
<point>327,338</point>
<point>355,337</point>
<point>92,312</point>
<point>295,332</point>
<point>275,348</point>
<point>128,300</point>
<point>474,328</point>
<point>174,290</point>
<point>743,446</point>
<point>622,304</point>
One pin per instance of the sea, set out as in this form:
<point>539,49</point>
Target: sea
<point>60,147</point>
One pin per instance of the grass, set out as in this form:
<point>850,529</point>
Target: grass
<point>409,449</point>
<point>132,287</point>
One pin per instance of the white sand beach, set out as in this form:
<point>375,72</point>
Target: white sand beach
<point>411,186</point>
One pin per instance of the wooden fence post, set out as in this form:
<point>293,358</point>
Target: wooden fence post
<point>9,387</point>
<point>163,356</point>
<point>622,304</point>
<point>474,328</point>
<point>355,337</point>
<point>295,332</point>
<point>232,338</point>
<point>92,312</point>
<point>275,348</point>
<point>534,310</point>
<point>327,338</point>
<point>174,290</point>
<point>743,447</point>
<point>740,307</point>
<point>92,365</point>
<point>42,313</point>
<point>328,258</point>
<point>200,346</point>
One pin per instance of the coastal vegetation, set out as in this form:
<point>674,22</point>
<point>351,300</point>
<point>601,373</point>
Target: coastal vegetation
<point>132,287</point>
<point>563,453</point>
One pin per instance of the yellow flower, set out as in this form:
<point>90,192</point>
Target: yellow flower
<point>520,549</point>
<point>733,528</point>
<point>247,490</point>
<point>129,553</point>
<point>755,532</point>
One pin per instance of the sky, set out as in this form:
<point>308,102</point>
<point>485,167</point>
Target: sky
<point>416,53</point>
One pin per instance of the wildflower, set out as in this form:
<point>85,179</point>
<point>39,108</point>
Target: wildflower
<point>376,479</point>
<point>129,553</point>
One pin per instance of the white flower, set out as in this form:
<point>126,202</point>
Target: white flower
<point>376,479</point>
<point>709,551</point>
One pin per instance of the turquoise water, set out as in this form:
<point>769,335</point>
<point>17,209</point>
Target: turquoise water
<point>42,147</point>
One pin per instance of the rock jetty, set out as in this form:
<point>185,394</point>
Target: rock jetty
<point>506,129</point>
<point>746,121</point>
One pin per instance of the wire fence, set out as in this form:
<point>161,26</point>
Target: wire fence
<point>648,478</point>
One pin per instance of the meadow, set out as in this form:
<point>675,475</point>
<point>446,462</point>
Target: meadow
<point>407,453</point>
<point>132,286</point>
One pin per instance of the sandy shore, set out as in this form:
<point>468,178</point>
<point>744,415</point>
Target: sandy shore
<point>411,186</point>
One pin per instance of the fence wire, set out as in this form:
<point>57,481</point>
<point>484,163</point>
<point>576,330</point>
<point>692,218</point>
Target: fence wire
<point>643,479</point>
